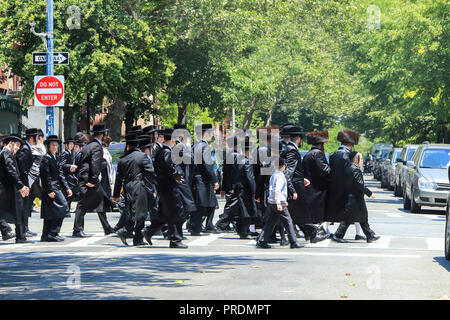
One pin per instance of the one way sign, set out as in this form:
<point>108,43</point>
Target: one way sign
<point>59,58</point>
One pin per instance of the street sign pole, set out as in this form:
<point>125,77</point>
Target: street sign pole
<point>50,112</point>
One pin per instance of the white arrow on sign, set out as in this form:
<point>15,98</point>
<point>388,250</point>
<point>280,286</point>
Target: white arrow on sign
<point>59,58</point>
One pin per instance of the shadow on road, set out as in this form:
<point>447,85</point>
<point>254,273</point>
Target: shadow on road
<point>119,277</point>
<point>443,262</point>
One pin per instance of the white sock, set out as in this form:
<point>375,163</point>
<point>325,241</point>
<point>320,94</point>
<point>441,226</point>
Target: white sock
<point>252,228</point>
<point>326,225</point>
<point>358,228</point>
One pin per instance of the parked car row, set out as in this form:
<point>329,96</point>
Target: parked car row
<point>418,173</point>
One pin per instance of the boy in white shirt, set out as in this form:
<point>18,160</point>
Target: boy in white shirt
<point>279,213</point>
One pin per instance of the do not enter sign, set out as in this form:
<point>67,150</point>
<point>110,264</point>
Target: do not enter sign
<point>49,91</point>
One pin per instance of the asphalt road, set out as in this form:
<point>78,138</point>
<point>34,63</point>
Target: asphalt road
<point>406,263</point>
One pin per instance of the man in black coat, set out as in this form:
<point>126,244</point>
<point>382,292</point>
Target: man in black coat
<point>204,181</point>
<point>92,195</point>
<point>54,188</point>
<point>171,208</point>
<point>239,180</point>
<point>12,189</point>
<point>298,207</point>
<point>133,169</point>
<point>318,172</point>
<point>68,166</point>
<point>25,162</point>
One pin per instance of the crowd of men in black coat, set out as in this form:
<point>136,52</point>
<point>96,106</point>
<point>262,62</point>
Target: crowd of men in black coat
<point>162,178</point>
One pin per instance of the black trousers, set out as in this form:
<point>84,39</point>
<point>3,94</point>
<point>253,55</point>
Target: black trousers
<point>175,230</point>
<point>309,230</point>
<point>209,225</point>
<point>196,218</point>
<point>52,227</point>
<point>276,217</point>
<point>80,212</point>
<point>139,224</point>
<point>343,226</point>
<point>242,226</point>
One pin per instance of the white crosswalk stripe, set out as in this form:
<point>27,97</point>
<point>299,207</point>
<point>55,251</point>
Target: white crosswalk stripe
<point>382,243</point>
<point>204,240</point>
<point>87,241</point>
<point>435,244</point>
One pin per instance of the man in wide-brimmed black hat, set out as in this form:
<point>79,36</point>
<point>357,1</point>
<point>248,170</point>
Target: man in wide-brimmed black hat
<point>298,208</point>
<point>25,162</point>
<point>92,195</point>
<point>171,210</point>
<point>204,181</point>
<point>12,189</point>
<point>132,169</point>
<point>67,161</point>
<point>318,172</point>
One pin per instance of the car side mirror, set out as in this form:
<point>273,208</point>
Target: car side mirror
<point>410,164</point>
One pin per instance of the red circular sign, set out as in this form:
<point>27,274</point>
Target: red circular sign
<point>49,91</point>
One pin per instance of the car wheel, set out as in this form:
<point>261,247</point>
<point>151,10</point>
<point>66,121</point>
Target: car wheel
<point>415,208</point>
<point>447,236</point>
<point>397,191</point>
<point>406,201</point>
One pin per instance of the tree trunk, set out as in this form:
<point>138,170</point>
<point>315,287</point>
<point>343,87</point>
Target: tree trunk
<point>114,119</point>
<point>182,113</point>
<point>249,116</point>
<point>129,120</point>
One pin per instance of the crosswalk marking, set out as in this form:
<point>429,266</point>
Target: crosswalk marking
<point>204,240</point>
<point>435,244</point>
<point>382,243</point>
<point>322,244</point>
<point>87,241</point>
<point>393,215</point>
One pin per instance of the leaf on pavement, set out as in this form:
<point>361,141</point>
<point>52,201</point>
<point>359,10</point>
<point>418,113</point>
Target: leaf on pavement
<point>179,282</point>
<point>353,284</point>
<point>344,296</point>
<point>347,274</point>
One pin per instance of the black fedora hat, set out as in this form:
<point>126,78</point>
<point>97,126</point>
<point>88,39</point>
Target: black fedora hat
<point>144,142</point>
<point>179,126</point>
<point>135,129</point>
<point>167,133</point>
<point>131,138</point>
<point>79,143</point>
<point>51,138</point>
<point>149,129</point>
<point>31,132</point>
<point>204,127</point>
<point>13,137</point>
<point>294,131</point>
<point>99,128</point>
<point>69,140</point>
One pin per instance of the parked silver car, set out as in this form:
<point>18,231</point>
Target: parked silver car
<point>388,169</point>
<point>400,170</point>
<point>426,180</point>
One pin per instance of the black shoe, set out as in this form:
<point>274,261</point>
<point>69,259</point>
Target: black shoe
<point>307,238</point>
<point>358,237</point>
<point>30,234</point>
<point>53,238</point>
<point>8,235</point>
<point>372,239</point>
<point>211,230</point>
<point>297,245</point>
<point>59,238</point>
<point>340,240</point>
<point>139,243</point>
<point>147,236</point>
<point>23,240</point>
<point>319,238</point>
<point>121,233</point>
<point>254,234</point>
<point>245,237</point>
<point>177,245</point>
<point>109,231</point>
<point>48,239</point>
<point>199,234</point>
<point>284,243</point>
<point>79,234</point>
<point>263,245</point>
<point>273,240</point>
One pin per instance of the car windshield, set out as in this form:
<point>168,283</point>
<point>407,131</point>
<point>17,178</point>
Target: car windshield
<point>435,158</point>
<point>396,155</point>
<point>410,154</point>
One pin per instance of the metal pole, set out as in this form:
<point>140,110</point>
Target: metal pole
<point>233,119</point>
<point>50,112</point>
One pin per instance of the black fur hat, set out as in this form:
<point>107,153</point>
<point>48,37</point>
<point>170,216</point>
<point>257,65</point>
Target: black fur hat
<point>348,136</point>
<point>317,137</point>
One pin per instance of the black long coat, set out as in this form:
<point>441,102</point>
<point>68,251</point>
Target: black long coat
<point>150,187</point>
<point>295,180</point>
<point>318,172</point>
<point>133,169</point>
<point>239,184</point>
<point>171,207</point>
<point>11,201</point>
<point>355,207</point>
<point>90,164</point>
<point>25,162</point>
<point>184,153</point>
<point>66,161</point>
<point>341,177</point>
<point>204,177</point>
<point>53,180</point>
